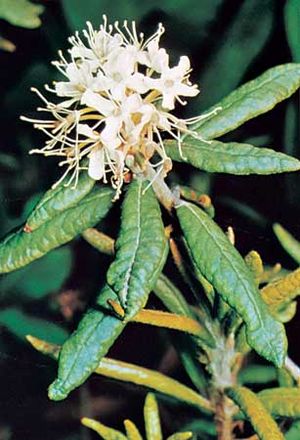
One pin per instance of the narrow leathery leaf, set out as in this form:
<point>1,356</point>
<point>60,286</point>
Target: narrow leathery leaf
<point>104,431</point>
<point>231,157</point>
<point>256,412</point>
<point>288,242</point>
<point>22,13</point>
<point>226,270</point>
<point>181,436</point>
<point>175,322</point>
<point>283,291</point>
<point>21,248</point>
<point>257,374</point>
<point>58,200</point>
<point>20,324</point>
<point>102,242</point>
<point>281,402</point>
<point>171,297</point>
<point>251,100</point>
<point>82,352</point>
<point>153,380</point>
<point>255,264</point>
<point>44,347</point>
<point>131,431</point>
<point>126,372</point>
<point>141,249</point>
<point>152,420</point>
<point>292,26</point>
<point>294,432</point>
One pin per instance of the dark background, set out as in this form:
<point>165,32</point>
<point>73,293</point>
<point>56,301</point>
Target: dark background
<point>229,42</point>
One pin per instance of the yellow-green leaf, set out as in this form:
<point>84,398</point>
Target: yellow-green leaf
<point>104,431</point>
<point>131,431</point>
<point>256,412</point>
<point>152,420</point>
<point>281,402</point>
<point>21,13</point>
<point>288,242</point>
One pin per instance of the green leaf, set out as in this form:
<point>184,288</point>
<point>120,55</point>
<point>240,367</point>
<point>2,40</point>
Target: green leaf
<point>255,411</point>
<point>104,431</point>
<point>247,33</point>
<point>251,100</point>
<point>41,277</point>
<point>21,248</point>
<point>21,324</point>
<point>141,249</point>
<point>288,242</point>
<point>21,13</point>
<point>232,158</point>
<point>294,432</point>
<point>226,270</point>
<point>292,26</point>
<point>152,420</point>
<point>57,200</point>
<point>281,402</point>
<point>81,353</point>
<point>257,374</point>
<point>171,297</point>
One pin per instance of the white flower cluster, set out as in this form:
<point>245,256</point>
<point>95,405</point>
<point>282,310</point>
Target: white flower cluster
<point>117,97</point>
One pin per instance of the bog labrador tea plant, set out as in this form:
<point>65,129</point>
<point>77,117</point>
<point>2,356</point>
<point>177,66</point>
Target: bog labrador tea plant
<point>112,121</point>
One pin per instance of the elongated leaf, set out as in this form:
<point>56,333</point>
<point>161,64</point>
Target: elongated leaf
<point>131,431</point>
<point>232,158</point>
<point>181,436</point>
<point>257,374</point>
<point>141,249</point>
<point>255,411</point>
<point>20,324</point>
<point>171,297</point>
<point>104,431</point>
<point>237,47</point>
<point>288,242</point>
<point>225,269</point>
<point>21,13</point>
<point>294,432</point>
<point>22,247</point>
<point>283,291</point>
<point>292,26</point>
<point>141,376</point>
<point>58,200</point>
<point>251,100</point>
<point>281,402</point>
<point>82,352</point>
<point>152,420</point>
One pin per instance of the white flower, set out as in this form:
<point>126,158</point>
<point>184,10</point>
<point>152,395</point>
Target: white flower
<point>173,83</point>
<point>119,89</point>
